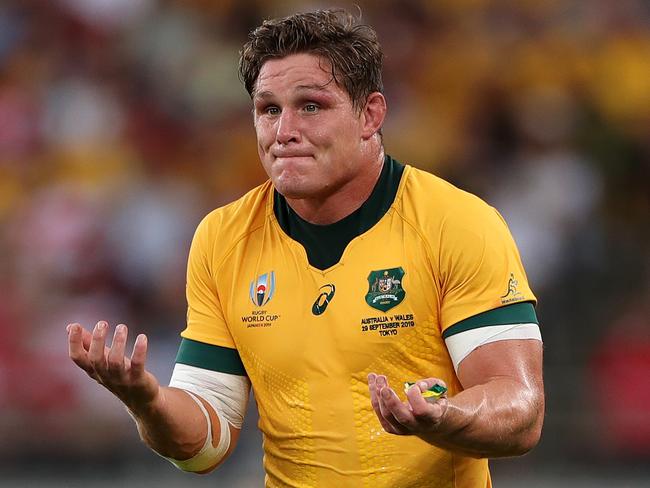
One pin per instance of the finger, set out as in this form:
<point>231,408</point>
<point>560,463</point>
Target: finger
<point>387,396</point>
<point>374,401</point>
<point>97,352</point>
<point>425,410</point>
<point>419,405</point>
<point>76,350</point>
<point>372,388</point>
<point>139,357</point>
<point>116,352</point>
<point>427,383</point>
<point>398,413</point>
<point>86,335</point>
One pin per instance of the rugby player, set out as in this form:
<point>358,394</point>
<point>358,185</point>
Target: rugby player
<point>327,288</point>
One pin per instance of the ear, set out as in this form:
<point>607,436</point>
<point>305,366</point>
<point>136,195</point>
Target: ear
<point>373,114</point>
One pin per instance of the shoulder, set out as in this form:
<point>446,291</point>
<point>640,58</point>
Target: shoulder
<point>431,202</point>
<point>222,228</point>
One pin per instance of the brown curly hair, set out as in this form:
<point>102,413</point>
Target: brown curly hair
<point>352,49</point>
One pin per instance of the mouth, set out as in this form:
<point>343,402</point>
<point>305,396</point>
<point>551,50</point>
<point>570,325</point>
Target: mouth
<point>291,156</point>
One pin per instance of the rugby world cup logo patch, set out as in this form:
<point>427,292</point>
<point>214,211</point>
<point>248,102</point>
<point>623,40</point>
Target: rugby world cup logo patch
<point>262,289</point>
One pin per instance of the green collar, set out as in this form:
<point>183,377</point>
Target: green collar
<point>325,243</point>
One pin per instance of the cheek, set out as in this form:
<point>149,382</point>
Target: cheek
<point>263,146</point>
<point>265,159</point>
<point>327,139</point>
<point>265,134</point>
<point>345,131</point>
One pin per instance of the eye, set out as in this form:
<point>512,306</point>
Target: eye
<point>311,108</point>
<point>272,110</point>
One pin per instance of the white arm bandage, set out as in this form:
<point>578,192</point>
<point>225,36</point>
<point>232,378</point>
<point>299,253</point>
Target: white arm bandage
<point>461,344</point>
<point>227,394</point>
<point>209,455</point>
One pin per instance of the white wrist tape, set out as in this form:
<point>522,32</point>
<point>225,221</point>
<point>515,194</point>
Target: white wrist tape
<point>209,455</point>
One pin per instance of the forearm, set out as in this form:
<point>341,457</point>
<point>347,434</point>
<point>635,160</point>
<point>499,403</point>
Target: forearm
<point>500,418</point>
<point>173,424</point>
<point>169,420</point>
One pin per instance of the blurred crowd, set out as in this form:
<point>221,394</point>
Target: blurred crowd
<point>123,122</point>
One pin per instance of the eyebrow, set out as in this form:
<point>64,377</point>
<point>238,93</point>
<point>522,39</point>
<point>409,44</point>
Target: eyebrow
<point>301,88</point>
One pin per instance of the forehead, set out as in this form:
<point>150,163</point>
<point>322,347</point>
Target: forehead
<point>296,71</point>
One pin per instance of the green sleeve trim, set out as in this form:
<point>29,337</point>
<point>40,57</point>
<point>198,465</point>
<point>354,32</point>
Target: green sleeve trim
<point>517,313</point>
<point>207,356</point>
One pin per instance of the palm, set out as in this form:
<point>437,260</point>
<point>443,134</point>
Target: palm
<point>125,377</point>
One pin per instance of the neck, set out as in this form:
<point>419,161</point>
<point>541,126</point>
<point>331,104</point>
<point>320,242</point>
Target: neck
<point>344,201</point>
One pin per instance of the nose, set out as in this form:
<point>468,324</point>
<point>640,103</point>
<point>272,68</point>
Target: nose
<point>287,128</point>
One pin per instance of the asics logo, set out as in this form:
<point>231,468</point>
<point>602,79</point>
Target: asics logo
<point>324,299</point>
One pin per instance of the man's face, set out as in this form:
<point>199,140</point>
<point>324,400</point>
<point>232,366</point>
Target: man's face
<point>308,133</point>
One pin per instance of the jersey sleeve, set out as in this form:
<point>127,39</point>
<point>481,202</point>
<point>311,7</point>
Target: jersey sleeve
<point>207,342</point>
<point>481,269</point>
<point>205,319</point>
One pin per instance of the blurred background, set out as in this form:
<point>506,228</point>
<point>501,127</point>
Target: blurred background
<point>123,122</point>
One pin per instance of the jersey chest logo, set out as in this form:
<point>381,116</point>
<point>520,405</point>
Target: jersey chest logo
<point>262,289</point>
<point>324,299</point>
<point>385,289</point>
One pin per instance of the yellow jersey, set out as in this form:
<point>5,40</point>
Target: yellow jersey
<point>307,338</point>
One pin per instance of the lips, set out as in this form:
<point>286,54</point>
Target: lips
<point>290,152</point>
<point>283,155</point>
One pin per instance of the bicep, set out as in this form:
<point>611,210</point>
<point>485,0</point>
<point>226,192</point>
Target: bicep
<point>225,397</point>
<point>226,393</point>
<point>517,359</point>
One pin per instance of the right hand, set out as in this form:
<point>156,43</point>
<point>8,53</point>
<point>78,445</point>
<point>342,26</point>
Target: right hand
<point>125,377</point>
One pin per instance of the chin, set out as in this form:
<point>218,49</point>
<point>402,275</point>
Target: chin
<point>294,192</point>
<point>292,185</point>
<point>298,190</point>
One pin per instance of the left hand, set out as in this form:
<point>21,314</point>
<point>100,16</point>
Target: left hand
<point>415,416</point>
